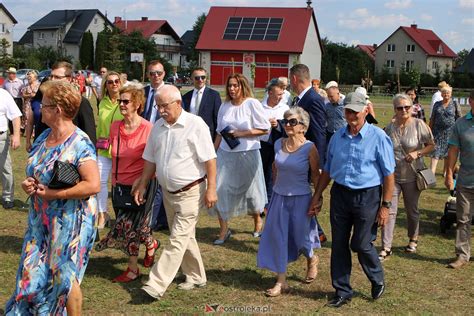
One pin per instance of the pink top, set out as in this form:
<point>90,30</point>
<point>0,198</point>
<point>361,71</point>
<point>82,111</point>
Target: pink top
<point>130,152</point>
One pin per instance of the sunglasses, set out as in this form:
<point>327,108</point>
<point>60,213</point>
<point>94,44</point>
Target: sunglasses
<point>403,108</point>
<point>197,78</point>
<point>116,81</point>
<point>155,73</point>
<point>124,101</point>
<point>292,122</point>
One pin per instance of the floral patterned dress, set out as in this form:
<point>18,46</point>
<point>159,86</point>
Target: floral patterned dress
<point>443,122</point>
<point>59,237</point>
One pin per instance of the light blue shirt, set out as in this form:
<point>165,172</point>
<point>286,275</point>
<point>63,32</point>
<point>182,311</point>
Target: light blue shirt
<point>463,138</point>
<point>360,161</point>
<point>335,115</point>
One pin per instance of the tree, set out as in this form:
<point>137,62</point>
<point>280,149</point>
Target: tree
<point>197,29</point>
<point>461,57</point>
<point>86,52</point>
<point>113,55</point>
<point>5,59</point>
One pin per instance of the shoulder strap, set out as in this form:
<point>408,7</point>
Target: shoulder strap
<point>401,147</point>
<point>117,157</point>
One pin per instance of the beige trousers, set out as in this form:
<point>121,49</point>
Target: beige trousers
<point>464,213</point>
<point>182,212</point>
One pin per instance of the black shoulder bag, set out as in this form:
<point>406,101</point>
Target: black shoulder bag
<point>122,198</point>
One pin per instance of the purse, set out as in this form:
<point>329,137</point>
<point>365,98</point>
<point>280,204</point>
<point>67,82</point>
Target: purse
<point>425,179</point>
<point>65,175</point>
<point>104,142</point>
<point>229,138</point>
<point>122,198</point>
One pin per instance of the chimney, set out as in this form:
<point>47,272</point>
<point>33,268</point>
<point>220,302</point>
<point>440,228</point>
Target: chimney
<point>374,46</point>
<point>117,19</point>
<point>414,26</point>
<point>144,18</point>
<point>309,4</point>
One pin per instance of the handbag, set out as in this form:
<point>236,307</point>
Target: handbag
<point>122,198</point>
<point>231,141</point>
<point>65,175</point>
<point>104,142</point>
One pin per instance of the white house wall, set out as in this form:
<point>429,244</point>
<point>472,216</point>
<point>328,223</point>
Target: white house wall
<point>7,32</point>
<point>96,26</point>
<point>312,53</point>
<point>443,63</point>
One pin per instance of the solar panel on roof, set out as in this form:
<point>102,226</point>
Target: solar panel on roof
<point>253,29</point>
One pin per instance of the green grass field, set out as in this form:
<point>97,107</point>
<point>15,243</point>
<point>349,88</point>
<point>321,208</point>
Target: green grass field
<point>416,283</point>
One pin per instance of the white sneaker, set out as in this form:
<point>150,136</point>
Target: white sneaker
<point>189,286</point>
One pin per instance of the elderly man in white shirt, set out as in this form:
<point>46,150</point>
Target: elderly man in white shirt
<point>181,153</point>
<point>8,112</point>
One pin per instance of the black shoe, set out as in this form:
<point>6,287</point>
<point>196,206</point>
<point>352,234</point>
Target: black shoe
<point>338,301</point>
<point>377,290</point>
<point>160,227</point>
<point>8,204</point>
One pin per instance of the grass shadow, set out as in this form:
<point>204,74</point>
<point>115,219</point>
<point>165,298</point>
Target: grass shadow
<point>400,251</point>
<point>11,244</point>
<point>207,235</point>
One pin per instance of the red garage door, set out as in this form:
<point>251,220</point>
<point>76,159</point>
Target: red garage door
<point>224,64</point>
<point>270,66</point>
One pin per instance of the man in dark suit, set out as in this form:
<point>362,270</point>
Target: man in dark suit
<point>203,101</point>
<point>313,103</point>
<point>155,73</point>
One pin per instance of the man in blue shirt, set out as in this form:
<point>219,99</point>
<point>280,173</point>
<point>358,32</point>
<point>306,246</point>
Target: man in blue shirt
<point>461,143</point>
<point>334,108</point>
<point>361,162</point>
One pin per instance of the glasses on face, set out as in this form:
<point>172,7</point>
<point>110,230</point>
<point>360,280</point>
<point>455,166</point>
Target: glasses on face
<point>44,105</point>
<point>403,108</point>
<point>56,77</point>
<point>124,101</point>
<point>197,78</point>
<point>292,122</point>
<point>155,73</point>
<point>164,105</point>
<point>116,81</point>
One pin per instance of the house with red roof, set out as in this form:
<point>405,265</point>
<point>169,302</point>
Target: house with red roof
<point>368,49</point>
<point>409,47</point>
<point>260,42</point>
<point>160,32</point>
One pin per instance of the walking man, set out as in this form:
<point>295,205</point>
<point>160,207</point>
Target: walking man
<point>181,153</point>
<point>361,162</point>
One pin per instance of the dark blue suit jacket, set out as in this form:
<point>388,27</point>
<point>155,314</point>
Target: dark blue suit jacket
<point>210,104</point>
<point>146,114</point>
<point>313,103</point>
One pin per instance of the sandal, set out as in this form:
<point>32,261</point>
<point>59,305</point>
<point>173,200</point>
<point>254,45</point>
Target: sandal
<point>150,259</point>
<point>127,276</point>
<point>411,247</point>
<point>384,254</point>
<point>278,290</point>
<point>312,272</point>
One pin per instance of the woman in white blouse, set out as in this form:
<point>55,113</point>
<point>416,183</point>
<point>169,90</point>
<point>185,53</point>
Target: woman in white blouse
<point>240,181</point>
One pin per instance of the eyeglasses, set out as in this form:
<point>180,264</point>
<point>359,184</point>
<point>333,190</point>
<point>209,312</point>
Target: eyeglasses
<point>164,105</point>
<point>103,72</point>
<point>197,78</point>
<point>56,77</point>
<point>292,122</point>
<point>43,105</point>
<point>403,108</point>
<point>116,81</point>
<point>124,101</point>
<point>155,73</point>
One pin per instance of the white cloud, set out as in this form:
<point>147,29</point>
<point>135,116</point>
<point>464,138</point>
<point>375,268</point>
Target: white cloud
<point>468,21</point>
<point>361,12</point>
<point>467,4</point>
<point>398,4</point>
<point>426,17</point>
<point>390,21</point>
<point>453,37</point>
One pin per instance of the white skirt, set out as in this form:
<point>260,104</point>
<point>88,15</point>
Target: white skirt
<point>240,184</point>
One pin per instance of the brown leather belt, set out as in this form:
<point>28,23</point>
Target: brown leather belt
<point>189,186</point>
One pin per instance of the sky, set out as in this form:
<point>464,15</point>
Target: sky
<point>343,21</point>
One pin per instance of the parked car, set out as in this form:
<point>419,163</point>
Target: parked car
<point>43,74</point>
<point>21,73</point>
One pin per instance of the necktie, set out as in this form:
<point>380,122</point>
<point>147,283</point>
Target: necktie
<point>197,102</point>
<point>151,103</point>
<point>295,101</point>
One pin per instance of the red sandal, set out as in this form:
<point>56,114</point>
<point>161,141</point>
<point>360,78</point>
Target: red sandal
<point>150,259</point>
<point>127,276</point>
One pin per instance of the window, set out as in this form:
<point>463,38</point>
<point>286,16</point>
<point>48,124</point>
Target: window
<point>410,48</point>
<point>390,47</point>
<point>3,28</point>
<point>435,65</point>
<point>253,29</point>
<point>41,35</point>
<point>409,64</point>
<point>169,56</point>
<point>95,20</point>
<point>440,49</point>
<point>390,63</point>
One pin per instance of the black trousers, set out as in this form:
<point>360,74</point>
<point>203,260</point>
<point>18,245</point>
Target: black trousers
<point>267,153</point>
<point>354,210</point>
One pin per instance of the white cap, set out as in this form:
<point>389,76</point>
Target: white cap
<point>331,84</point>
<point>363,91</point>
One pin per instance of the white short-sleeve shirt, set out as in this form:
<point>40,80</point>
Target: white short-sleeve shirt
<point>275,112</point>
<point>8,109</point>
<point>246,116</point>
<point>179,151</point>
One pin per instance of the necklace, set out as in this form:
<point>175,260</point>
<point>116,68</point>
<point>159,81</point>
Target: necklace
<point>296,146</point>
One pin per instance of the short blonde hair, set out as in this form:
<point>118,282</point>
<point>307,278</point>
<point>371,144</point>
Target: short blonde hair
<point>447,88</point>
<point>64,95</point>
<point>137,95</point>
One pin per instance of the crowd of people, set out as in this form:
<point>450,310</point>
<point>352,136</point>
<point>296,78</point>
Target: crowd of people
<point>169,156</point>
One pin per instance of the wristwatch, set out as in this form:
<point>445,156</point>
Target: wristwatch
<point>387,204</point>
<point>419,154</point>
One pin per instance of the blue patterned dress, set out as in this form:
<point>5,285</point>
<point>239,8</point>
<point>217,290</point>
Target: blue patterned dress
<point>443,123</point>
<point>59,236</point>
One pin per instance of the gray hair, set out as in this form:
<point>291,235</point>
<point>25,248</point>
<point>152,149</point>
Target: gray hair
<point>401,96</point>
<point>302,115</point>
<point>168,91</point>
